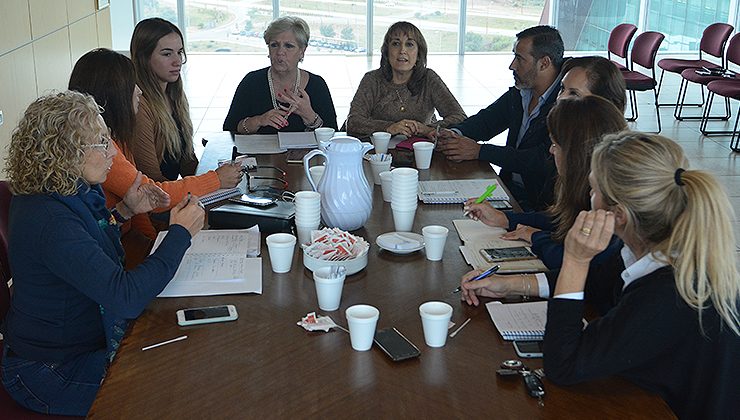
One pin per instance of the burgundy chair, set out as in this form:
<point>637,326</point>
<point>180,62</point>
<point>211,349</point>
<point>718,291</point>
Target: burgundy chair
<point>643,54</point>
<point>729,88</point>
<point>9,409</point>
<point>691,76</point>
<point>619,42</point>
<point>712,42</point>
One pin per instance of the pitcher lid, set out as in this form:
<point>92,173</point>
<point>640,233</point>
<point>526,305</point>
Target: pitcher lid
<point>344,144</point>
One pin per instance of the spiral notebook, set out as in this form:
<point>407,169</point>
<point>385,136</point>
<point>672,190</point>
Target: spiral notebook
<point>519,321</point>
<point>219,195</point>
<point>458,191</point>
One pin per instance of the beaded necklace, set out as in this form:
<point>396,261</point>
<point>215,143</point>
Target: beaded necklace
<point>272,88</point>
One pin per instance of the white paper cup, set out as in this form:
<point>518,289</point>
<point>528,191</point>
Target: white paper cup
<point>380,141</point>
<point>386,183</point>
<point>423,154</point>
<point>362,320</point>
<point>280,247</point>
<point>435,318</point>
<point>328,288</point>
<point>323,134</point>
<point>403,220</point>
<point>304,232</point>
<point>405,173</point>
<point>307,197</point>
<point>434,241</point>
<point>378,167</point>
<point>317,172</point>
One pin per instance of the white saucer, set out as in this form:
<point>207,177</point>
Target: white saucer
<point>400,242</point>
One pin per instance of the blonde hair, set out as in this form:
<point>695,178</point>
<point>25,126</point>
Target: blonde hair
<point>144,41</point>
<point>298,26</point>
<point>46,153</point>
<point>683,214</point>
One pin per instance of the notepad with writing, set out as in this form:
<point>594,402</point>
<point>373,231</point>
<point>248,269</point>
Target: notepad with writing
<point>219,195</point>
<point>519,321</point>
<point>458,191</point>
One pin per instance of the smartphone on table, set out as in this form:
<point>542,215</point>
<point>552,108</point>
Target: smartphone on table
<point>507,254</point>
<point>395,345</point>
<point>206,315</point>
<point>528,349</point>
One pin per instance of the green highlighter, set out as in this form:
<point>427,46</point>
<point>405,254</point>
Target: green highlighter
<point>491,188</point>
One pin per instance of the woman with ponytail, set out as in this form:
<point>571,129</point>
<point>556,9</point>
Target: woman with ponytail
<point>669,304</point>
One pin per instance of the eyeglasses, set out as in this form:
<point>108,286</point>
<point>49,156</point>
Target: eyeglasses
<point>104,144</point>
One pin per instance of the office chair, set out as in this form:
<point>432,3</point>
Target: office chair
<point>729,88</point>
<point>619,42</point>
<point>643,54</point>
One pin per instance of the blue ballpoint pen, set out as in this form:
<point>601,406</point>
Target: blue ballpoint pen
<point>480,276</point>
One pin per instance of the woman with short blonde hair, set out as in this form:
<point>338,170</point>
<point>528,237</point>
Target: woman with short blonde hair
<point>282,97</point>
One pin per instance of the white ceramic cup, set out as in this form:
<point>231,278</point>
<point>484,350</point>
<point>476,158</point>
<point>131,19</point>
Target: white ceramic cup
<point>434,241</point>
<point>317,172</point>
<point>435,319</point>
<point>386,183</point>
<point>280,247</point>
<point>329,282</point>
<point>423,154</point>
<point>323,134</point>
<point>361,320</point>
<point>403,220</point>
<point>379,166</point>
<point>380,141</point>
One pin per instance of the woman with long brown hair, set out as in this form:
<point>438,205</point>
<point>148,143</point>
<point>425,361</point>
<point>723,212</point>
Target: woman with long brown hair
<point>163,140</point>
<point>573,138</point>
<point>401,96</point>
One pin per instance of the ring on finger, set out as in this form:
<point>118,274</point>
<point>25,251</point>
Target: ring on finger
<point>586,231</point>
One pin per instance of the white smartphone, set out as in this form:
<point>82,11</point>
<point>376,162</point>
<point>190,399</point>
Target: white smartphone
<point>528,349</point>
<point>205,315</point>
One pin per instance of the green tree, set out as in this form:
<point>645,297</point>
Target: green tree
<point>348,33</point>
<point>248,25</point>
<point>327,31</point>
<point>473,42</point>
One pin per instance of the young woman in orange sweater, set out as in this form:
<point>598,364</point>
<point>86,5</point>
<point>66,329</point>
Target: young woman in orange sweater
<point>110,78</point>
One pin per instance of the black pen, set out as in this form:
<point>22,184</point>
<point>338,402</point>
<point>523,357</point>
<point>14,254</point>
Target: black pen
<point>234,154</point>
<point>189,197</point>
<point>480,276</point>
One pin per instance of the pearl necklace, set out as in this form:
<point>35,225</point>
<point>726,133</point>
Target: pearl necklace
<point>272,88</point>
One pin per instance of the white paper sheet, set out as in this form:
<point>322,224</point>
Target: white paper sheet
<point>257,144</point>
<point>218,263</point>
<point>297,140</point>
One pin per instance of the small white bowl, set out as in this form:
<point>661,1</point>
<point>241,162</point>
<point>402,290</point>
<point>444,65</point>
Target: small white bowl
<point>352,266</point>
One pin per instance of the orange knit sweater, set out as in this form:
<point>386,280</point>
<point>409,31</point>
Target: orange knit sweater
<point>123,173</point>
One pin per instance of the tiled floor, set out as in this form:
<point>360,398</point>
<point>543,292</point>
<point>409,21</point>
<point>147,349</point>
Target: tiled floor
<point>476,80</point>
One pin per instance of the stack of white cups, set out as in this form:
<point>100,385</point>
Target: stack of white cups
<point>307,214</point>
<point>405,183</point>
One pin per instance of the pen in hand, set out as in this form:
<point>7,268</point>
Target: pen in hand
<point>483,197</point>
<point>480,276</point>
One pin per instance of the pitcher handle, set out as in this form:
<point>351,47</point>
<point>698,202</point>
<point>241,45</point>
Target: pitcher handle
<point>306,160</point>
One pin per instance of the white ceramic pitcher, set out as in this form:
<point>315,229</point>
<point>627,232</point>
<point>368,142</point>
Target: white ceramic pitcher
<point>346,197</point>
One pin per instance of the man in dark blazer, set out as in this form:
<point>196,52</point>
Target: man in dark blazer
<point>526,165</point>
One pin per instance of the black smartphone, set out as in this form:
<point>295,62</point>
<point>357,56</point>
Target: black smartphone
<point>253,200</point>
<point>395,345</point>
<point>528,349</point>
<point>507,254</point>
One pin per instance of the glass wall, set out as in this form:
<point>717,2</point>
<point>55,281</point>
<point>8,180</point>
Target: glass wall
<point>683,22</point>
<point>493,24</point>
<point>438,20</point>
<point>341,26</point>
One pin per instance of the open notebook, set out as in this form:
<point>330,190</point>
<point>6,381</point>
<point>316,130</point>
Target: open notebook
<point>519,321</point>
<point>477,236</point>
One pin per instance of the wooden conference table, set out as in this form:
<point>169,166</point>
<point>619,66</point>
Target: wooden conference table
<point>264,365</point>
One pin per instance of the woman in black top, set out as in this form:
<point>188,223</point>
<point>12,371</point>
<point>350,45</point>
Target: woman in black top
<point>282,97</point>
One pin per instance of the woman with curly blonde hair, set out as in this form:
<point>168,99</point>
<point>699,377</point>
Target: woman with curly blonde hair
<point>71,295</point>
